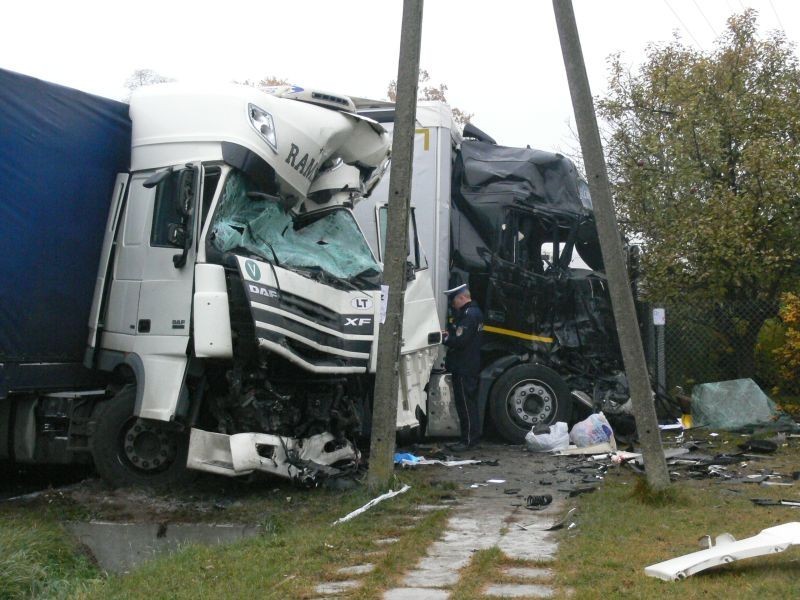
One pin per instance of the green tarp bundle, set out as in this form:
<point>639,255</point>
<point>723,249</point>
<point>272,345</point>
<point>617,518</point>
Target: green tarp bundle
<point>731,404</point>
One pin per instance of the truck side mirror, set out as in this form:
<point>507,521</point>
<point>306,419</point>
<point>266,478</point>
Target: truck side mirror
<point>176,234</point>
<point>186,192</point>
<point>184,199</point>
<point>411,271</point>
<point>156,178</point>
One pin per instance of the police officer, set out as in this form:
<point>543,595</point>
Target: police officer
<point>463,360</point>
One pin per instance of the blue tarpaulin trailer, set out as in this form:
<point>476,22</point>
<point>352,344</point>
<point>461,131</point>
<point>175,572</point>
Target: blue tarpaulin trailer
<point>60,150</point>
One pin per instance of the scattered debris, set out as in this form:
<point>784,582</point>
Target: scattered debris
<point>603,448</point>
<point>771,502</point>
<point>579,491</point>
<point>620,457</point>
<point>759,446</point>
<point>726,550</point>
<point>537,502</point>
<point>562,521</point>
<point>406,459</point>
<point>372,503</point>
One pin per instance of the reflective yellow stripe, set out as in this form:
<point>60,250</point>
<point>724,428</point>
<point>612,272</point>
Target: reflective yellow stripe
<point>426,140</point>
<point>518,334</point>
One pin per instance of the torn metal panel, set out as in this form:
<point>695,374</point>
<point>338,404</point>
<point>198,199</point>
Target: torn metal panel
<point>726,550</point>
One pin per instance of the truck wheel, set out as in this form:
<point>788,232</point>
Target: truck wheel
<point>129,451</point>
<point>525,396</point>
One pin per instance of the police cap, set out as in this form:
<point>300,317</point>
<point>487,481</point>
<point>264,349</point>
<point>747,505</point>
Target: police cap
<point>456,291</point>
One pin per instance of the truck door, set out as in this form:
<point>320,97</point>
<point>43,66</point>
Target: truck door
<point>421,331</point>
<point>516,293</point>
<point>149,308</point>
<point>165,299</point>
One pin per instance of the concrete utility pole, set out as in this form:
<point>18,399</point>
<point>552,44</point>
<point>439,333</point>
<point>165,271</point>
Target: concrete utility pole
<point>619,286</point>
<point>387,378</point>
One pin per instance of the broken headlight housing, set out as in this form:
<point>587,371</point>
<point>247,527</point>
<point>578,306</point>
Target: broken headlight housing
<point>262,121</point>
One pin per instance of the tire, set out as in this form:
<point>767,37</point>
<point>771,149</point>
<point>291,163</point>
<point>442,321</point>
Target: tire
<point>129,451</point>
<point>525,396</point>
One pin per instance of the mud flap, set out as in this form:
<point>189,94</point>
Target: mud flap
<point>243,453</point>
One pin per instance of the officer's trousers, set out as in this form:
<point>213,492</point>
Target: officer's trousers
<point>465,391</point>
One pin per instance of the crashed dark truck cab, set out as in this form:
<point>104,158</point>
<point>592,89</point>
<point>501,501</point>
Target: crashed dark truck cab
<point>517,225</point>
<point>518,218</point>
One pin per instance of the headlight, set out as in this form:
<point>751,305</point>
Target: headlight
<point>264,125</point>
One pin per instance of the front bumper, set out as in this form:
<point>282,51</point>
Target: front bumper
<point>304,460</point>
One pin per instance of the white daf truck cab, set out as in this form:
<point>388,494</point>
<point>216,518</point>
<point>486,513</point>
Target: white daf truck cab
<point>237,302</point>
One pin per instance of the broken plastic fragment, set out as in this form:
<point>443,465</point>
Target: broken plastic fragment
<point>372,503</point>
<point>726,550</point>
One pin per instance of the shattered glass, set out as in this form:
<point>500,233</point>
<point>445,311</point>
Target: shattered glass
<point>327,240</point>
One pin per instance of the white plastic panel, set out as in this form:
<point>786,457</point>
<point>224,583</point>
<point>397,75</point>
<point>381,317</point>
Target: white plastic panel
<point>162,385</point>
<point>726,550</point>
<point>105,255</point>
<point>212,322</point>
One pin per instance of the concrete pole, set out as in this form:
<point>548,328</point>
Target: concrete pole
<point>619,286</point>
<point>387,378</point>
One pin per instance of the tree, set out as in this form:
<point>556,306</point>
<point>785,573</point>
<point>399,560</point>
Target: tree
<point>704,158</point>
<point>428,91</point>
<point>264,82</point>
<point>142,77</point>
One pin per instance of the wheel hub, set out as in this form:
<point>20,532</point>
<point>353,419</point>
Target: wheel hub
<point>149,447</point>
<point>531,402</point>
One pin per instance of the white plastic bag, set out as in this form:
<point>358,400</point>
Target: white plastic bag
<point>556,439</point>
<point>593,430</point>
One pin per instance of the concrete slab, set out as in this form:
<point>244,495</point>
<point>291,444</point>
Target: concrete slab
<point>448,558</point>
<point>121,547</point>
<point>357,569</point>
<point>431,576</point>
<point>386,541</point>
<point>415,594</point>
<point>528,545</point>
<point>431,507</point>
<point>508,590</point>
<point>336,587</point>
<point>528,572</point>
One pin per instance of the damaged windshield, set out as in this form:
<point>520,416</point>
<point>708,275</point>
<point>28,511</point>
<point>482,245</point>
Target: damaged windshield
<point>325,243</point>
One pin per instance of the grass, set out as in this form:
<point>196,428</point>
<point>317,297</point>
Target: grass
<point>623,528</point>
<point>297,548</point>
<point>37,559</point>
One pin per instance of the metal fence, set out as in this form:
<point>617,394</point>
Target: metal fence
<point>700,343</point>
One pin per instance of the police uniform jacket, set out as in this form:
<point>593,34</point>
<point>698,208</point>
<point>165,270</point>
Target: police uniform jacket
<point>463,341</point>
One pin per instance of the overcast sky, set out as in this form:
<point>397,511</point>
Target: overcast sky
<point>500,58</point>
